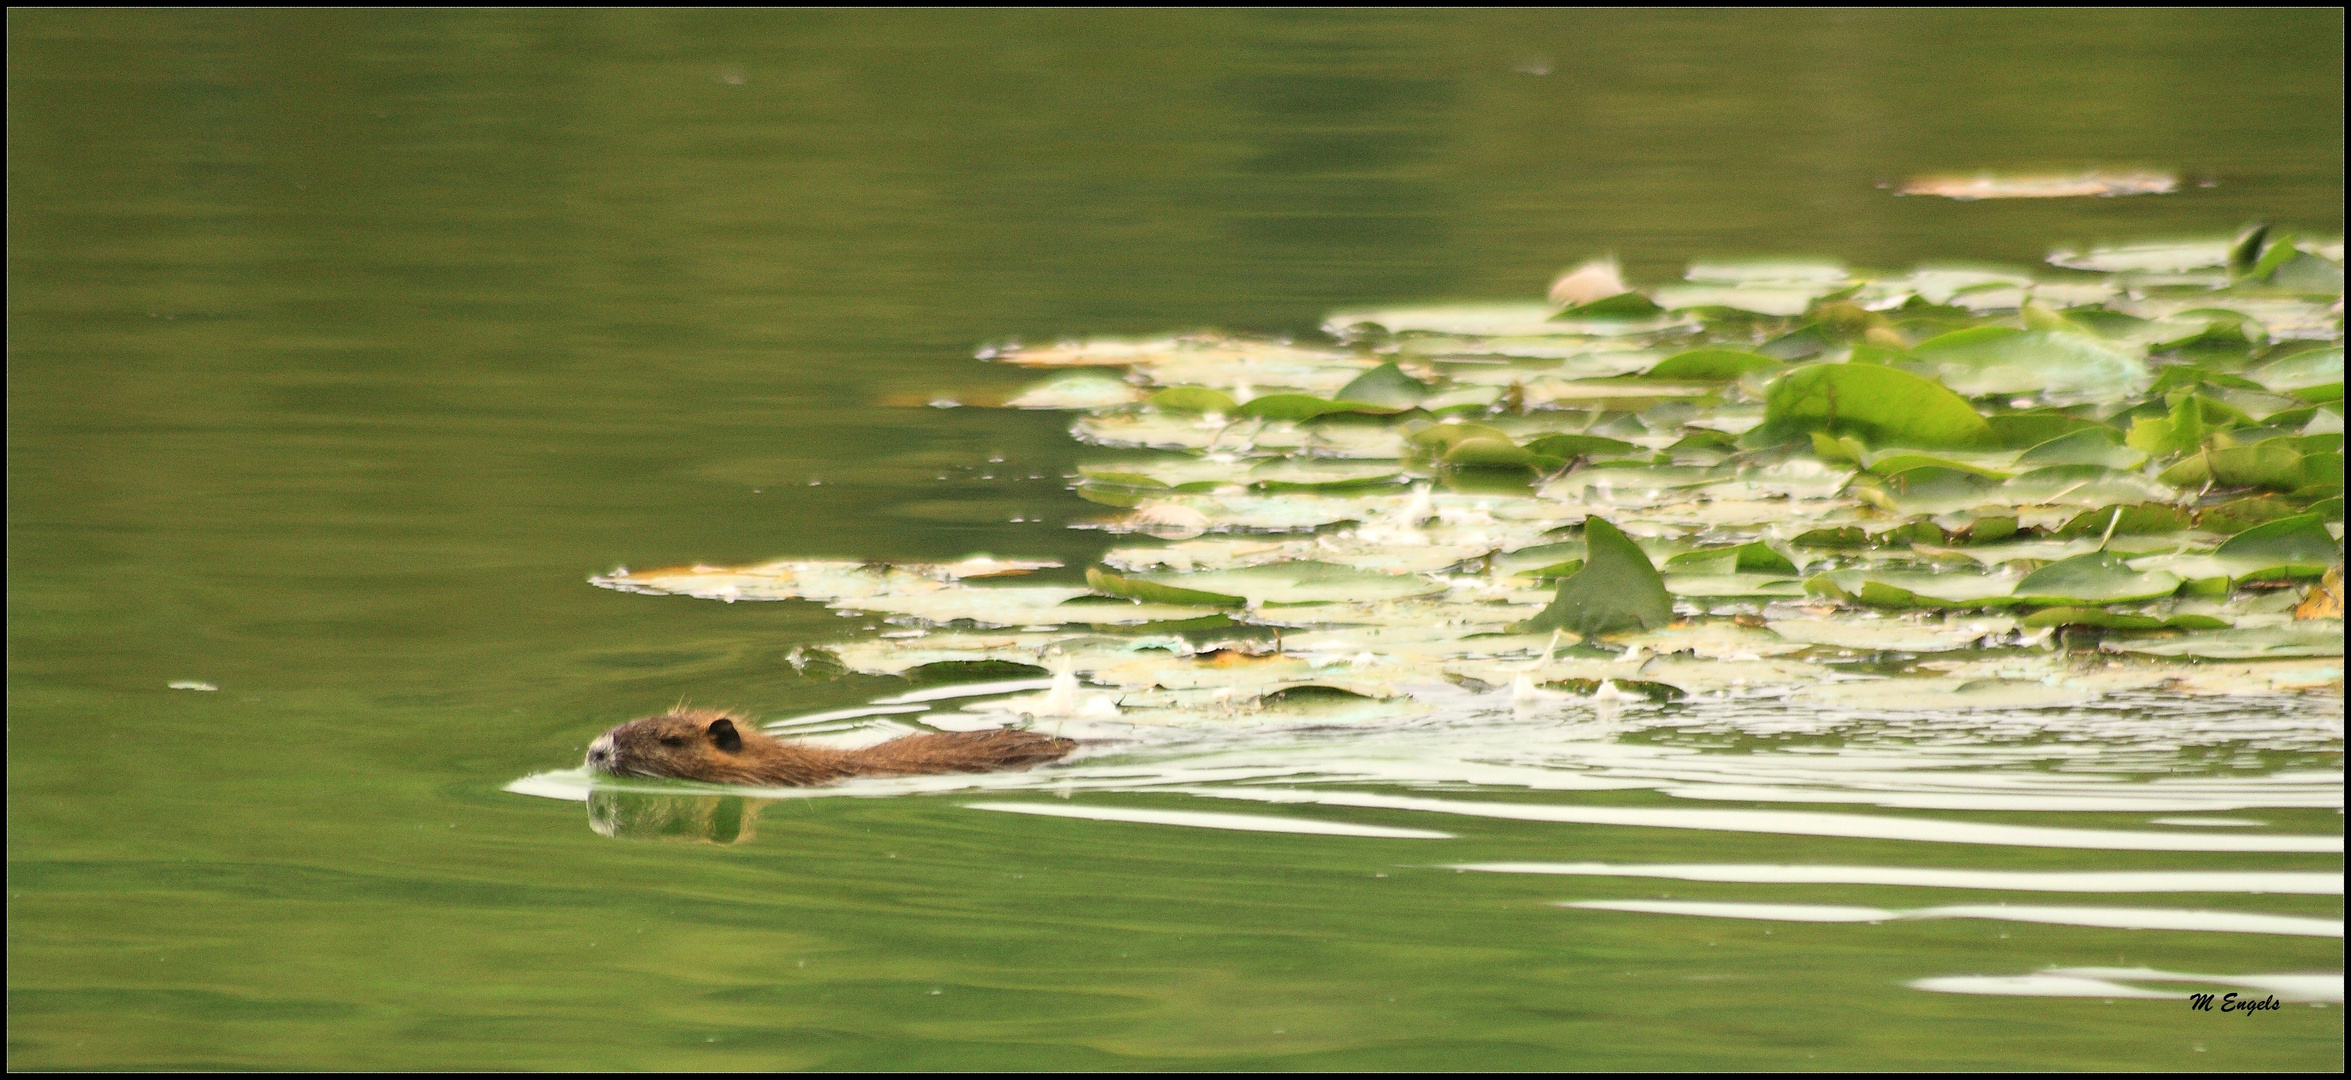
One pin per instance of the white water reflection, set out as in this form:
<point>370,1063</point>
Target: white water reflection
<point>1204,820</point>
<point>2113,983</point>
<point>2234,922</point>
<point>1854,826</point>
<point>2102,881</point>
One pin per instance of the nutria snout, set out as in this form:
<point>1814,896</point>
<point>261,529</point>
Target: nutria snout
<point>710,745</point>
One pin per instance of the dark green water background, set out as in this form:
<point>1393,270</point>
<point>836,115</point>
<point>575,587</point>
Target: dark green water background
<point>343,346</point>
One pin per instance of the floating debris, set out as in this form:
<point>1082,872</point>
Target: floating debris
<point>2044,186</point>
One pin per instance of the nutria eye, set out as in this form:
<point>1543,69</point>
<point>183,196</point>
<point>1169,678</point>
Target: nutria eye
<point>672,740</point>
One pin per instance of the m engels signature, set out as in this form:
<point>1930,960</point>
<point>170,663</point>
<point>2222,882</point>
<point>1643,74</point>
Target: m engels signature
<point>2232,1003</point>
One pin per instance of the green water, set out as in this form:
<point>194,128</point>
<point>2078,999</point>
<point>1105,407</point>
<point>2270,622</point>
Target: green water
<point>344,346</point>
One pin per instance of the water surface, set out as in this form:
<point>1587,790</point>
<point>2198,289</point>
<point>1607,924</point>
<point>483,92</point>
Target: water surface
<point>344,346</point>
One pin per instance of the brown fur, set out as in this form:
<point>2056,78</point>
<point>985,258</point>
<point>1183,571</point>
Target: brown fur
<point>709,745</point>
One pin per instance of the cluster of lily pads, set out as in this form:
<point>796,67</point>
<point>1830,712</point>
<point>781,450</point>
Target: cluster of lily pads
<point>1960,485</point>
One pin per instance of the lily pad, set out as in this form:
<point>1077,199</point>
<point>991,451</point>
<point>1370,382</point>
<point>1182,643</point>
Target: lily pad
<point>2096,578</point>
<point>2315,367</point>
<point>1618,590</point>
<point>1193,399</point>
<point>2312,637</point>
<point>1997,360</point>
<point>1307,407</point>
<point>1712,364</point>
<point>2100,445</point>
<point>1386,385</point>
<point>1880,405</point>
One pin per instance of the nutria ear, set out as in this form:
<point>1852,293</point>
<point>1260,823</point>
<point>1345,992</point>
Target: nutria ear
<point>724,736</point>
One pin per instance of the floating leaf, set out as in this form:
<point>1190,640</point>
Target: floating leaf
<point>1617,590</point>
<point>2118,620</point>
<point>1306,407</point>
<point>2238,515</point>
<point>2296,543</point>
<point>2314,637</point>
<point>1626,305</point>
<point>1903,589</point>
<point>1386,385</point>
<point>1193,399</point>
<point>1712,365</point>
<point>2044,186</point>
<point>1566,446</point>
<point>2022,431</point>
<point>2082,485</point>
<point>1136,587</point>
<point>2099,445</point>
<point>2096,578</point>
<point>1995,360</point>
<point>1755,557</point>
<point>2273,464</point>
<point>2127,520</point>
<point>2156,258</point>
<point>2301,370</point>
<point>1880,405</point>
<point>1928,489</point>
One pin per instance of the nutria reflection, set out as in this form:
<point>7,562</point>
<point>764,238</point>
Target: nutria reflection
<point>700,819</point>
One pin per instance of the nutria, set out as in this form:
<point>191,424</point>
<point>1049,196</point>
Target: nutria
<point>708,745</point>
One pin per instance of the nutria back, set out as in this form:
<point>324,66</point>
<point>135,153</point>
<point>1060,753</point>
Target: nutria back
<point>711,746</point>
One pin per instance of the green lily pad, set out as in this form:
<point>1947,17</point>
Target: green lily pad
<point>2099,445</point>
<point>1904,589</point>
<point>1567,446</point>
<point>1891,464</point>
<point>2238,515</point>
<point>1136,587</point>
<point>2156,258</point>
<point>1193,399</point>
<point>1493,454</point>
<point>2285,549</point>
<point>2082,485</point>
<point>2118,620</point>
<point>1927,489</point>
<point>1989,360</point>
<point>2127,520</point>
<point>2315,367</point>
<point>2310,637</point>
<point>2097,578</point>
<point>2300,543</point>
<point>1882,406</point>
<point>1625,305</point>
<point>2273,464</point>
<point>1755,557</point>
<point>1386,385</point>
<point>1273,584</point>
<point>1726,586</point>
<point>1307,407</point>
<point>1617,590</point>
<point>2025,430</point>
<point>1711,365</point>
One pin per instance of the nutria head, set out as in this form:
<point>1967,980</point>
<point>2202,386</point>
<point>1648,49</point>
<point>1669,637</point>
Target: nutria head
<point>708,745</point>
